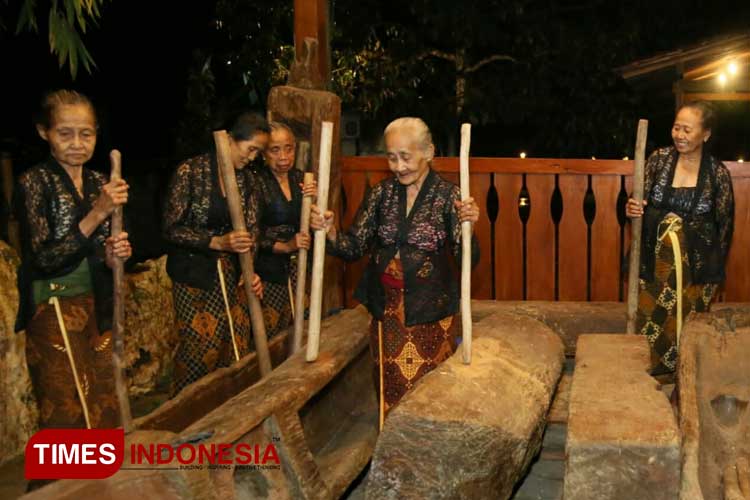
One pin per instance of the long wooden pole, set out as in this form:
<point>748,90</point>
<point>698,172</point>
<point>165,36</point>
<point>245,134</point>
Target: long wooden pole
<point>636,224</point>
<point>319,251</point>
<point>118,317</point>
<point>224,157</point>
<point>465,247</point>
<point>66,340</point>
<point>299,297</point>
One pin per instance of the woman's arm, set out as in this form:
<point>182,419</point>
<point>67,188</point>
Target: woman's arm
<point>47,253</point>
<point>354,243</point>
<point>724,206</point>
<point>175,228</point>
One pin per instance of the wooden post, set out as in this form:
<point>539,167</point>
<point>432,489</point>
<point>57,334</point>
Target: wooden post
<point>299,297</point>
<point>316,293</point>
<point>118,317</point>
<point>311,21</point>
<point>224,157</point>
<point>465,247</point>
<point>636,224</point>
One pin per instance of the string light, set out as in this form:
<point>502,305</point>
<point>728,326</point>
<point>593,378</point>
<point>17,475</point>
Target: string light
<point>625,158</point>
<point>722,79</point>
<point>740,160</point>
<point>732,68</point>
<point>522,155</point>
<point>593,157</point>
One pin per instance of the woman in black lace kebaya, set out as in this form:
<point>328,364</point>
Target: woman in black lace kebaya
<point>687,228</point>
<point>64,211</point>
<point>410,226</point>
<point>198,229</point>
<point>280,192</point>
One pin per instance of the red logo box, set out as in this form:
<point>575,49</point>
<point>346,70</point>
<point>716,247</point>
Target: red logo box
<point>74,453</point>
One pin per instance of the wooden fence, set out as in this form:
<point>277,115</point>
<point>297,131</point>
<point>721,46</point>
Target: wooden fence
<point>550,229</point>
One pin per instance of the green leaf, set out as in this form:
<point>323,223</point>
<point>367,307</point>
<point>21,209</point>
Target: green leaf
<point>27,17</point>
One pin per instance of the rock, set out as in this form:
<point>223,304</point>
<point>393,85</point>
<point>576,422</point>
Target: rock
<point>18,411</point>
<point>150,331</point>
<point>623,440</point>
<point>471,431</point>
<point>714,374</point>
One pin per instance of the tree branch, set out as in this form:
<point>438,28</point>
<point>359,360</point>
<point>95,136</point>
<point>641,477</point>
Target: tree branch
<point>454,59</point>
<point>487,60</point>
<point>437,53</point>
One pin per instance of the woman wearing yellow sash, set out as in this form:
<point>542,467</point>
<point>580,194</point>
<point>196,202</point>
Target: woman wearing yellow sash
<point>688,219</point>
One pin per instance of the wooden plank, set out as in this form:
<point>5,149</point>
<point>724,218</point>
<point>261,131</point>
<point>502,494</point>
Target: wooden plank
<point>540,239</point>
<point>504,165</point>
<point>605,240</point>
<point>481,282</point>
<point>717,96</point>
<point>738,266</point>
<point>508,240</point>
<point>572,260</point>
<point>519,166</point>
<point>354,185</point>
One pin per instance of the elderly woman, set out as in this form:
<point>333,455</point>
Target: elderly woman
<point>687,228</point>
<point>198,229</point>
<point>410,225</point>
<point>280,192</point>
<point>64,212</point>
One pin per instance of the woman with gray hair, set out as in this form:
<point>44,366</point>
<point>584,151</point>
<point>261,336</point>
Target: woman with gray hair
<point>410,224</point>
<point>280,192</point>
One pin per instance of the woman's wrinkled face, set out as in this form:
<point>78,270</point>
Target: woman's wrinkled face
<point>688,133</point>
<point>407,159</point>
<point>280,151</point>
<point>245,151</point>
<point>71,135</point>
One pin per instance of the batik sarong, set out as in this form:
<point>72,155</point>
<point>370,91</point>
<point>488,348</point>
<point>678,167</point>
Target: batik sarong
<point>657,316</point>
<point>51,374</point>
<point>409,352</point>
<point>205,341</point>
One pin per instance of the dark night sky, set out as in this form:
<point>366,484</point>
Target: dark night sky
<point>143,51</point>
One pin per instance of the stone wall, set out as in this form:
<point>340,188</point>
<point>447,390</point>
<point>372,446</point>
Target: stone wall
<point>150,340</point>
<point>18,411</point>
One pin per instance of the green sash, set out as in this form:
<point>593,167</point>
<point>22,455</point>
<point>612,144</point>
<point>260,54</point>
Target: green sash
<point>77,282</point>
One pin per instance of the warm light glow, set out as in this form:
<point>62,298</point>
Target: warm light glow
<point>522,155</point>
<point>722,79</point>
<point>625,158</point>
<point>740,160</point>
<point>523,202</point>
<point>732,68</point>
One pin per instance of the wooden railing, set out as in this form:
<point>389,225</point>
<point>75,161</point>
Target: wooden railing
<point>550,229</point>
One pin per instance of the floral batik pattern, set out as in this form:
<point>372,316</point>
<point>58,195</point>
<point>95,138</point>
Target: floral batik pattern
<point>51,373</point>
<point>203,328</point>
<point>409,352</point>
